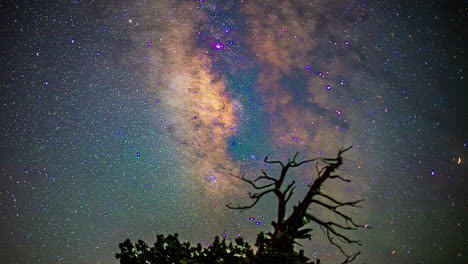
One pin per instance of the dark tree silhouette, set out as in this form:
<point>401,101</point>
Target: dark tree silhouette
<point>272,247</point>
<point>168,250</point>
<point>289,229</point>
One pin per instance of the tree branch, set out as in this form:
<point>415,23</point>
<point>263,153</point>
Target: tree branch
<point>289,195</point>
<point>274,161</point>
<point>287,230</point>
<point>339,177</point>
<point>329,227</point>
<point>349,258</point>
<point>266,177</point>
<point>255,196</point>
<point>334,210</point>
<point>352,204</point>
<point>251,182</point>
<point>304,162</point>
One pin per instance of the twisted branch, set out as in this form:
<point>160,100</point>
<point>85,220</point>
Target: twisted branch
<point>293,225</point>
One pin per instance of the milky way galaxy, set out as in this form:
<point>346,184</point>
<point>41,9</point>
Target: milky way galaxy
<point>127,119</point>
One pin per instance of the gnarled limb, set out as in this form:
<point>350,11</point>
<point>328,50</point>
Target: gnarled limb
<point>251,182</point>
<point>288,229</point>
<point>255,196</point>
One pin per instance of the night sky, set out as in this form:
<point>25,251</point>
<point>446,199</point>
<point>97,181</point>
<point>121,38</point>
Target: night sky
<point>124,119</point>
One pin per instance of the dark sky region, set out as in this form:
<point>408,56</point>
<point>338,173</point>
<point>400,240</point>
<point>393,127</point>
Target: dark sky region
<point>123,119</point>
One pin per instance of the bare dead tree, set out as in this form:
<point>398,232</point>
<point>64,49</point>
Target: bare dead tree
<point>288,229</point>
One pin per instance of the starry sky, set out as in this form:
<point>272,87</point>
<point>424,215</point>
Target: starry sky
<point>125,119</point>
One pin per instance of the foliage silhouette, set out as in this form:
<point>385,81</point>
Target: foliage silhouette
<point>272,247</point>
<point>168,250</point>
